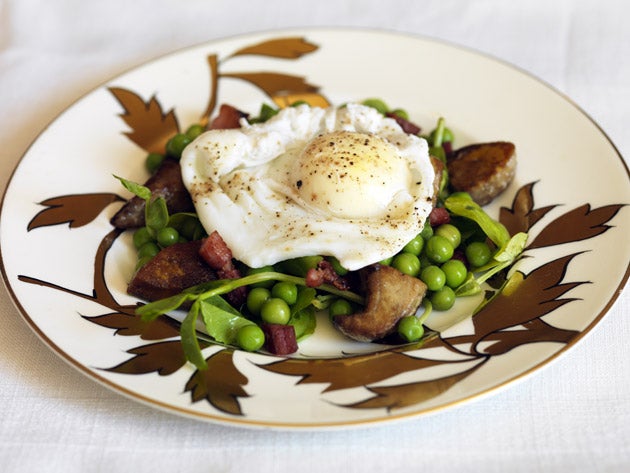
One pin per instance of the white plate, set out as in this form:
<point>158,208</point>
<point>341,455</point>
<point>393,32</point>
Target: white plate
<point>570,188</point>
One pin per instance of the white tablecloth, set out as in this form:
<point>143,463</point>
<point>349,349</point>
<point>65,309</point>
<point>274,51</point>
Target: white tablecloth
<point>573,415</point>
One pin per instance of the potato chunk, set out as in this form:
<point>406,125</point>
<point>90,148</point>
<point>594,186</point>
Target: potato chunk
<point>170,272</point>
<point>483,170</point>
<point>391,295</point>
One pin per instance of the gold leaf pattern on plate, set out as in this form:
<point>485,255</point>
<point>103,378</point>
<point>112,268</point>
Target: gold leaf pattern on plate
<point>405,395</point>
<point>221,384</point>
<point>163,358</point>
<point>350,372</point>
<point>76,210</point>
<point>150,126</point>
<point>286,48</point>
<point>578,224</point>
<point>127,323</point>
<point>273,83</point>
<point>522,215</point>
<point>537,294</point>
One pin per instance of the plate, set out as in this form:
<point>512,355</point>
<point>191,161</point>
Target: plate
<point>67,268</point>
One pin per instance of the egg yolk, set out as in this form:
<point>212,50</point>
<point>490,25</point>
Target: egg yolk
<point>350,174</point>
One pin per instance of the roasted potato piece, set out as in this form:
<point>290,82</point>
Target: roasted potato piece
<point>172,270</point>
<point>391,295</point>
<point>483,170</point>
<point>166,182</point>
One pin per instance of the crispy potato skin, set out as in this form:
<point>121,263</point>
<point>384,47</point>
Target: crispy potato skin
<point>483,170</point>
<point>391,295</point>
<point>172,270</point>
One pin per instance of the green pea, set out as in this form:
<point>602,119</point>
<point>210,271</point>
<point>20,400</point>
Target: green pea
<point>194,131</point>
<point>275,311</point>
<point>340,307</point>
<point>406,263</point>
<point>378,104</point>
<point>340,270</point>
<point>250,337</point>
<point>443,299</point>
<point>286,291</point>
<point>264,269</point>
<point>451,233</point>
<point>141,236</point>
<point>153,161</point>
<point>448,136</point>
<point>188,228</point>
<point>455,272</point>
<point>167,236</point>
<point>387,261</point>
<point>176,145</point>
<point>438,249</point>
<point>478,253</point>
<point>433,277</point>
<point>415,245</point>
<point>399,112</point>
<point>256,297</point>
<point>410,328</point>
<point>299,266</point>
<point>444,133</point>
<point>427,231</point>
<point>149,249</point>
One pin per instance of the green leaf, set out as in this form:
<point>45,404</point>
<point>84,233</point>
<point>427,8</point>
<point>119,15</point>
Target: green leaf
<point>470,287</point>
<point>222,321</point>
<point>512,249</point>
<point>190,343</point>
<point>224,305</point>
<point>153,310</point>
<point>438,135</point>
<point>304,322</point>
<point>136,189</point>
<point>464,207</point>
<point>156,214</point>
<point>303,313</point>
<point>204,287</point>
<point>305,298</point>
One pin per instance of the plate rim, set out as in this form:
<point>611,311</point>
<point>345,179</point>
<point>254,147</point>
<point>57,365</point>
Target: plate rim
<point>328,425</point>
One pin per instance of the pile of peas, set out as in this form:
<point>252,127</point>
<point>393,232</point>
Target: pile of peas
<point>161,231</point>
<point>440,259</point>
<point>153,237</point>
<point>274,302</point>
<point>437,256</point>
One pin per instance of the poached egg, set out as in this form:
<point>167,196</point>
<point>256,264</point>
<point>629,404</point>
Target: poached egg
<point>346,182</point>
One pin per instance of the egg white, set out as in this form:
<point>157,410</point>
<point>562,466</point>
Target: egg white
<point>260,187</point>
